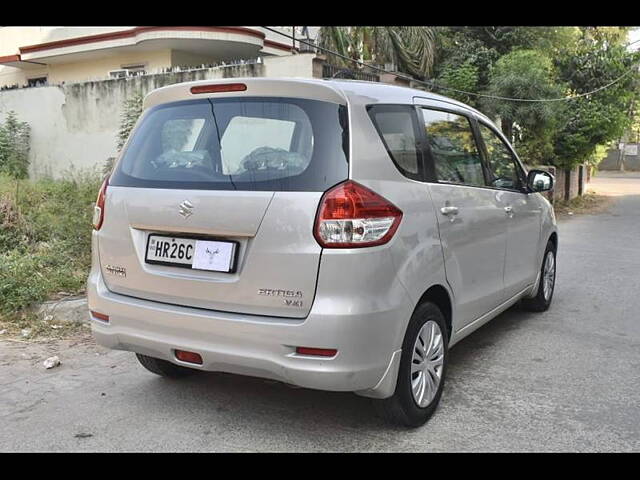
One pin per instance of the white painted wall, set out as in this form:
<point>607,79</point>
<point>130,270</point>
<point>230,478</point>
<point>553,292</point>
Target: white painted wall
<point>300,65</point>
<point>59,141</point>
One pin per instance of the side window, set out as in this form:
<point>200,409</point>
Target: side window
<point>502,166</point>
<point>396,127</point>
<point>455,153</point>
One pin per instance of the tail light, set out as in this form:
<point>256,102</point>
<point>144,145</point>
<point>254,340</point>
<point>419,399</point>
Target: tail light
<point>352,216</point>
<point>98,210</point>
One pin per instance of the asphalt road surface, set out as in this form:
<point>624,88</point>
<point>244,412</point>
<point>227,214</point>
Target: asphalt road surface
<point>564,380</point>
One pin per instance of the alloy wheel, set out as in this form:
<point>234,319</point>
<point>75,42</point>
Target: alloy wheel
<point>427,363</point>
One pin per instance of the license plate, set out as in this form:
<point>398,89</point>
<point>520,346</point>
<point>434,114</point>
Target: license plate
<point>213,255</point>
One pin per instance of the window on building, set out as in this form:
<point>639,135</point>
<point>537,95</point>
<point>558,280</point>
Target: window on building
<point>137,69</point>
<point>37,81</point>
<point>128,71</point>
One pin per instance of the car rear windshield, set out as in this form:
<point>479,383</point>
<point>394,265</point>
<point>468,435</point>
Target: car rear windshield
<point>249,143</point>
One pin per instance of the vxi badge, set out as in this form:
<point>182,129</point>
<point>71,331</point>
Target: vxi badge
<point>292,298</point>
<point>116,270</point>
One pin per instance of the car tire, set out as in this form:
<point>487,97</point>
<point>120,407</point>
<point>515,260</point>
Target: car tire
<point>542,300</point>
<point>163,367</point>
<point>405,407</point>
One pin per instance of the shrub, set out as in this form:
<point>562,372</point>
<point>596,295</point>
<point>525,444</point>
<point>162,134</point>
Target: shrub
<point>132,109</point>
<point>14,147</point>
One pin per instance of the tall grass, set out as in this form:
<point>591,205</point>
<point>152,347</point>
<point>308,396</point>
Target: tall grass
<point>45,239</point>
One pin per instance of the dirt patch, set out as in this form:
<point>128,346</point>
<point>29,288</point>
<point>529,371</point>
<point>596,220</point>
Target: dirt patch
<point>590,203</point>
<point>32,327</point>
<point>34,351</point>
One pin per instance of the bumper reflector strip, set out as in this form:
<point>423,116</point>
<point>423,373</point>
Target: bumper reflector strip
<point>189,357</point>
<point>317,352</point>
<point>100,316</point>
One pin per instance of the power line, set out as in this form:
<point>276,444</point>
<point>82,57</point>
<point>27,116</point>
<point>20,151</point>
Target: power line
<point>432,84</point>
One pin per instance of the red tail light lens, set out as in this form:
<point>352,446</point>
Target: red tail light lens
<point>189,357</point>
<point>352,216</point>
<point>221,87</point>
<point>98,211</point>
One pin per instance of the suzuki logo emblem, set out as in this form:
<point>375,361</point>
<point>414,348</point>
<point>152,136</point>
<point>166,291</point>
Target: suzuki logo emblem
<point>186,209</point>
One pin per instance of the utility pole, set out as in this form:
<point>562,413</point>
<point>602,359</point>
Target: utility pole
<point>620,155</point>
<point>293,47</point>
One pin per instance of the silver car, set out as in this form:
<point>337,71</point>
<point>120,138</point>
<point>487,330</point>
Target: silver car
<point>335,235</point>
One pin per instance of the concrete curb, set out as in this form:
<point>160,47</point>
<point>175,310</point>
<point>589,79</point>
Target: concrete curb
<point>65,311</point>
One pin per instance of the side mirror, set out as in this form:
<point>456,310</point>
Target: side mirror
<point>539,181</point>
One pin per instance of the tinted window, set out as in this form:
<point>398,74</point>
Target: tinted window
<point>395,125</point>
<point>453,148</point>
<point>277,144</point>
<point>501,164</point>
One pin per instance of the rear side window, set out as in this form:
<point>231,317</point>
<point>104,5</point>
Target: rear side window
<point>397,128</point>
<point>249,143</point>
<point>453,148</point>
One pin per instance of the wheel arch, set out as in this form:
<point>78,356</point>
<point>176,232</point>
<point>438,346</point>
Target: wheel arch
<point>439,295</point>
<point>553,238</point>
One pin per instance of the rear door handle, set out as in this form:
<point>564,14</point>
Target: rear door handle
<point>509,211</point>
<point>449,210</point>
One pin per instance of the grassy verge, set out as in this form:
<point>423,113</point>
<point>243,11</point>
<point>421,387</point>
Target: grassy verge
<point>45,243</point>
<point>590,203</point>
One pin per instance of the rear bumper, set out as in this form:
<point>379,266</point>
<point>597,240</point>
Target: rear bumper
<point>367,342</point>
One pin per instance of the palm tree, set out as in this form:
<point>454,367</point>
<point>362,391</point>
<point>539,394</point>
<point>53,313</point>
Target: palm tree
<point>410,49</point>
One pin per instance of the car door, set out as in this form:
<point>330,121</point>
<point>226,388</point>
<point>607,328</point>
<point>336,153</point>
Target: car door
<point>523,211</point>
<point>471,219</point>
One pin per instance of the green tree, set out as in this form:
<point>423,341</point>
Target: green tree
<point>481,47</point>
<point>465,77</point>
<point>595,61</point>
<point>14,147</point>
<point>530,125</point>
<point>505,39</point>
<point>462,60</point>
<point>545,62</point>
<point>411,49</point>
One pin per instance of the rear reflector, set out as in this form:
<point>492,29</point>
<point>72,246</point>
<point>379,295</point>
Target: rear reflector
<point>189,357</point>
<point>224,87</point>
<point>100,316</point>
<point>317,352</point>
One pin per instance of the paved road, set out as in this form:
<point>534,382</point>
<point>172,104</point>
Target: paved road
<point>566,380</point>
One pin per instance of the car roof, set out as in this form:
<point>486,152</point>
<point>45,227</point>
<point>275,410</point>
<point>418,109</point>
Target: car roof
<point>337,90</point>
<point>387,92</point>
